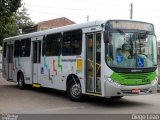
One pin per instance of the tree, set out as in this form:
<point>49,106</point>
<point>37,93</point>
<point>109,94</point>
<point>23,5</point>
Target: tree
<point>23,19</point>
<point>13,20</point>
<point>7,18</point>
<point>7,7</point>
<point>11,28</point>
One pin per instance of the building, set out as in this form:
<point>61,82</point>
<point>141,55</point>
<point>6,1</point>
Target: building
<point>44,25</point>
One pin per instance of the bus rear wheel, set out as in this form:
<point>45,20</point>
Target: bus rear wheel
<point>74,91</point>
<point>21,83</point>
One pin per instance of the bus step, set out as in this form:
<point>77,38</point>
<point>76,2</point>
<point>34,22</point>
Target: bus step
<point>94,94</point>
<point>36,85</point>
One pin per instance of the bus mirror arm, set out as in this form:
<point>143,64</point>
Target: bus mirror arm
<point>106,36</point>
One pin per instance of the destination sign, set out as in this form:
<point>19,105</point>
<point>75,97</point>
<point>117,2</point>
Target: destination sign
<point>135,25</point>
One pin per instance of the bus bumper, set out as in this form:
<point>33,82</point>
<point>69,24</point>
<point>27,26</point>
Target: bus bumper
<point>112,89</point>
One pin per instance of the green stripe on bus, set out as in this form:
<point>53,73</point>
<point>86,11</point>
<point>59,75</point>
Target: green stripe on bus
<point>134,78</point>
<point>59,63</point>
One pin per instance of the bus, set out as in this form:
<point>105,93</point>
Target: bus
<point>107,58</point>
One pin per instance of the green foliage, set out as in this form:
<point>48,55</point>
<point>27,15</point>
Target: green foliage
<point>12,20</point>
<point>23,19</point>
<point>11,27</point>
<point>7,7</point>
<point>8,26</point>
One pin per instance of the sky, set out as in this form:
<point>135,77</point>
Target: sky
<point>78,10</point>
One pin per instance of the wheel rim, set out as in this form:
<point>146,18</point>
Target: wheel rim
<point>75,90</point>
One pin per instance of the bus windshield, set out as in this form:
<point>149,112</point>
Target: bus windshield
<point>131,50</point>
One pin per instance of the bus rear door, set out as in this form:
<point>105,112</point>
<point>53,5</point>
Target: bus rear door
<point>36,59</point>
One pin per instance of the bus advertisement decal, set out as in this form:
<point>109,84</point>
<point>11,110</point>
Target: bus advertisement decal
<point>45,63</point>
<point>59,63</point>
<point>54,68</point>
<point>42,70</point>
<point>79,64</point>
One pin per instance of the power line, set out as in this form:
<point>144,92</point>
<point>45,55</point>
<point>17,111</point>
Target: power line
<point>51,7</point>
<point>43,12</point>
<point>87,18</point>
<point>49,13</point>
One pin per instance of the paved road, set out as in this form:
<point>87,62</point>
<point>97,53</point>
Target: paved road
<point>34,100</point>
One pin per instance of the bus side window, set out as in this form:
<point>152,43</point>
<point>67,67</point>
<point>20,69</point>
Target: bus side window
<point>25,47</point>
<point>52,45</point>
<point>44,46</point>
<point>72,43</point>
<point>4,51</point>
<point>17,46</point>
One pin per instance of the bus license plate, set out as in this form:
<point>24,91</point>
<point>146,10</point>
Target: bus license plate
<point>136,91</point>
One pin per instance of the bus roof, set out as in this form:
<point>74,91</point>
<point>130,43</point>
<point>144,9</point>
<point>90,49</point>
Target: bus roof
<point>59,29</point>
<point>64,28</point>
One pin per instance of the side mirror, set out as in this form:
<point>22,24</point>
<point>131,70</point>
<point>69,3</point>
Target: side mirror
<point>109,50</point>
<point>106,36</point>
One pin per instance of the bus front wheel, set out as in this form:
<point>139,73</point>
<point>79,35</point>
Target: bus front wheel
<point>21,83</point>
<point>74,91</point>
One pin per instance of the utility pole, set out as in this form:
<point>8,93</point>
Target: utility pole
<point>87,18</point>
<point>131,11</point>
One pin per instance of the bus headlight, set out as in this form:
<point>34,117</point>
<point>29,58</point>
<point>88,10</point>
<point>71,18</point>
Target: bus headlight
<point>154,82</point>
<point>114,83</point>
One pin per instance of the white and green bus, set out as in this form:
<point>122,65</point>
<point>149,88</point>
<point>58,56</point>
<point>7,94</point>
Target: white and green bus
<point>112,58</point>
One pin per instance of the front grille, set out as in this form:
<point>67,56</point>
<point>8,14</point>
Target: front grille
<point>135,76</point>
<point>133,79</point>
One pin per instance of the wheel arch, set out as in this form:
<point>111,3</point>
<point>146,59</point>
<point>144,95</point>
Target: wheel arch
<point>18,74</point>
<point>69,78</point>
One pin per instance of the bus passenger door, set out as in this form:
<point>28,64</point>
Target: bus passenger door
<point>10,61</point>
<point>93,62</point>
<point>36,61</point>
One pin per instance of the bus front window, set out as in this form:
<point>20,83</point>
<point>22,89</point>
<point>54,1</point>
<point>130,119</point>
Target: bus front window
<point>131,50</point>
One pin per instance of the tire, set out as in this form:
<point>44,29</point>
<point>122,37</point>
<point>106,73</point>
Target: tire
<point>21,83</point>
<point>74,91</point>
